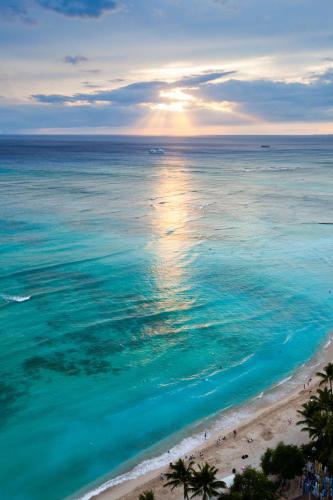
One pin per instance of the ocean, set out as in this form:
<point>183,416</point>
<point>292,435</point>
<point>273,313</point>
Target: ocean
<point>142,293</point>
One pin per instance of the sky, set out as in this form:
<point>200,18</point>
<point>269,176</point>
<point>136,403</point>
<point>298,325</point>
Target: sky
<point>166,67</point>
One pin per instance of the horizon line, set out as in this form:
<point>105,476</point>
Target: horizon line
<point>43,134</point>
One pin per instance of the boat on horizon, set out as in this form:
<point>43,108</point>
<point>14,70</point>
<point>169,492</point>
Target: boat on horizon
<point>156,151</point>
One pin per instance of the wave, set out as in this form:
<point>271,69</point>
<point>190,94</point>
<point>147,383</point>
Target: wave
<point>204,205</point>
<point>230,416</point>
<point>288,337</point>
<point>260,396</point>
<point>220,370</point>
<point>205,375</point>
<point>61,265</point>
<point>283,381</point>
<point>185,446</point>
<point>206,394</point>
<point>270,169</point>
<point>16,298</point>
<point>243,360</point>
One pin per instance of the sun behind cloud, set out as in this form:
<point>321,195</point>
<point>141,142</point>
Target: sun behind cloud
<point>169,116</point>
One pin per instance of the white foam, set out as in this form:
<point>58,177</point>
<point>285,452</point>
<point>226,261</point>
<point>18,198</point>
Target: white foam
<point>287,339</point>
<point>207,393</point>
<point>316,364</point>
<point>185,446</point>
<point>239,363</point>
<point>204,205</point>
<point>224,422</point>
<point>16,298</point>
<point>244,360</point>
<point>282,382</point>
<point>260,396</point>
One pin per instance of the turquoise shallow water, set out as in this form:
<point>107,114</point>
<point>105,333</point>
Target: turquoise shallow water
<point>162,289</point>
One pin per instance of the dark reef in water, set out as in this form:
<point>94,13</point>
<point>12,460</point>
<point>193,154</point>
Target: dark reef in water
<point>9,396</point>
<point>67,364</point>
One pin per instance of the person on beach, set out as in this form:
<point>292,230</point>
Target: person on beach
<point>235,433</point>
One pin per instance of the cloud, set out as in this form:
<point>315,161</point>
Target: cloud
<point>93,71</point>
<point>53,98</point>
<point>22,118</point>
<point>90,85</point>
<point>273,101</point>
<point>18,9</point>
<point>278,100</point>
<point>13,10</point>
<point>134,93</point>
<point>207,76</point>
<point>79,8</point>
<point>230,102</point>
<point>117,80</point>
<point>127,95</point>
<point>75,60</point>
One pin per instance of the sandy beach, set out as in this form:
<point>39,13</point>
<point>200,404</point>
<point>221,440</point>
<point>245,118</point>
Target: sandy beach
<point>270,423</point>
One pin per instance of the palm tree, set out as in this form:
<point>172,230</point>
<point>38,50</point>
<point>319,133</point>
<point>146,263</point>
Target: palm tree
<point>324,399</point>
<point>147,495</point>
<point>317,418</point>
<point>327,376</point>
<point>310,412</point>
<point>181,475</point>
<point>204,482</point>
<point>309,408</point>
<point>315,425</point>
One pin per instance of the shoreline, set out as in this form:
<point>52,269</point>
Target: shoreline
<point>264,417</point>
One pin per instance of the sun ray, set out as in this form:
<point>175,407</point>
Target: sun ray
<point>166,118</point>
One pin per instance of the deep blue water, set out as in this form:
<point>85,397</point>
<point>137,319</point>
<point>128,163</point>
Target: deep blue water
<point>162,289</point>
